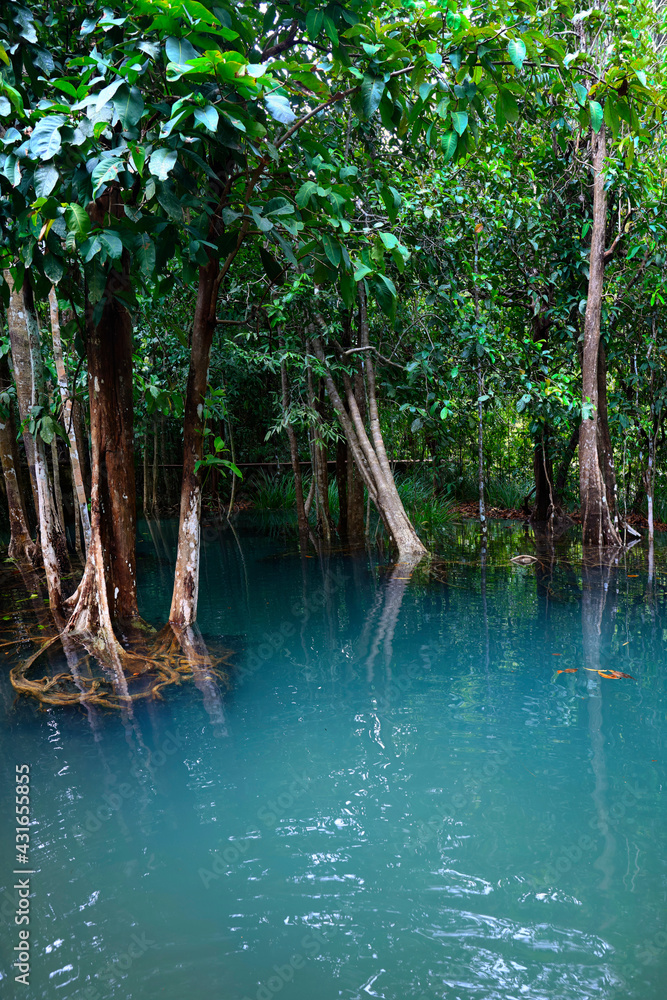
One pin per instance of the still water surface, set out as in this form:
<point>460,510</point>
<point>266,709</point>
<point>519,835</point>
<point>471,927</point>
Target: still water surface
<point>396,795</point>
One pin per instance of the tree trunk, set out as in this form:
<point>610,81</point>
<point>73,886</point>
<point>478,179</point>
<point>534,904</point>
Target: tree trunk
<point>564,467</point>
<point>341,485</point>
<point>20,345</point>
<point>55,462</point>
<point>605,447</point>
<point>68,416</point>
<point>108,589</point>
<point>21,546</point>
<point>480,455</point>
<point>186,575</point>
<point>24,329</point>
<point>154,505</point>
<point>597,523</point>
<point>302,520</point>
<point>369,451</point>
<point>145,475</point>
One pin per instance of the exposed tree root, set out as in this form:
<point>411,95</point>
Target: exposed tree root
<point>113,681</point>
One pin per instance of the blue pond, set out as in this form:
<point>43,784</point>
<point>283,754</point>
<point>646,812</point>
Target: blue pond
<point>393,792</point>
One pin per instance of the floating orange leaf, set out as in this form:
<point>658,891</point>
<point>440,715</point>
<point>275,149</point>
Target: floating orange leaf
<point>613,675</point>
<point>568,670</point>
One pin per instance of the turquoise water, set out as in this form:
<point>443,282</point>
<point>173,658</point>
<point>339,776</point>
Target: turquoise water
<point>395,795</point>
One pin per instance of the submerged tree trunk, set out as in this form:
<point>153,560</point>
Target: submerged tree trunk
<point>186,576</point>
<point>302,520</point>
<point>597,519</point>
<point>68,417</point>
<point>367,450</point>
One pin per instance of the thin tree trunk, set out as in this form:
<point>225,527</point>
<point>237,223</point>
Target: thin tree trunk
<point>55,462</point>
<point>52,539</point>
<point>186,576</point>
<point>68,416</point>
<point>302,520</point>
<point>20,345</point>
<point>341,485</point>
<point>605,447</point>
<point>597,523</point>
<point>154,505</point>
<point>21,546</point>
<point>145,475</point>
<point>480,455</point>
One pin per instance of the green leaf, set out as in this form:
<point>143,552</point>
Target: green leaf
<point>45,180</point>
<point>517,52</point>
<point>305,192</point>
<point>362,272</point>
<point>279,108</point>
<point>161,162</point>
<point>208,117</point>
<point>449,143</point>
<point>278,206</point>
<point>596,114</point>
<point>506,104</point>
<point>53,268</point>
<point>314,23</point>
<point>389,240</point>
<point>272,268</point>
<point>179,50</point>
<point>144,254</point>
<point>47,430</point>
<point>105,172</point>
<point>5,106</point>
<point>332,249</point>
<point>348,289</point>
<point>90,248</point>
<point>129,105</point>
<point>77,220</point>
<point>45,140</point>
<point>581,93</point>
<point>611,115</point>
<point>111,243</point>
<point>372,89</point>
<point>460,121</point>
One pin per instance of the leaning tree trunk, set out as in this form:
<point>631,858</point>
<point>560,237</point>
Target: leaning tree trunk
<point>108,589</point>
<point>186,575</point>
<point>367,450</point>
<point>597,520</point>
<point>68,416</point>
